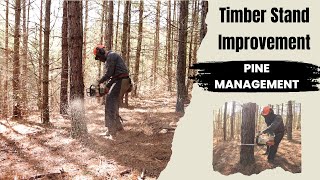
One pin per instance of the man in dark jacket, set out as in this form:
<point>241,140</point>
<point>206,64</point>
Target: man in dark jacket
<point>275,126</point>
<point>118,83</point>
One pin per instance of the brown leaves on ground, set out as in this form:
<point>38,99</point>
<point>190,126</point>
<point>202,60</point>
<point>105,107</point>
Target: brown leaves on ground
<point>31,150</point>
<point>226,156</point>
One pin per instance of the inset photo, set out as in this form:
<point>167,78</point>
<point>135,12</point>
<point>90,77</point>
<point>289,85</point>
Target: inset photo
<point>250,138</point>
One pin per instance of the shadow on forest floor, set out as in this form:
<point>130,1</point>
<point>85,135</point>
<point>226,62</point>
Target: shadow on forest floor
<point>226,156</point>
<point>29,148</point>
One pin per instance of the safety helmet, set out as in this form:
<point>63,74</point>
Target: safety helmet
<point>266,110</point>
<point>98,51</point>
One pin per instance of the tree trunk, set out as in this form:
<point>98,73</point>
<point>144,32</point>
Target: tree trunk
<point>182,56</point>
<point>289,120</point>
<point>16,64</point>
<point>225,121</point>
<point>40,62</point>
<point>233,116</point>
<point>203,30</point>
<point>84,58</point>
<point>190,48</point>
<point>247,134</point>
<point>169,50</point>
<point>24,102</point>
<point>282,109</point>
<point>109,27</point>
<point>117,26</point>
<point>126,96</point>
<point>156,45</point>
<point>5,97</point>
<point>137,63</point>
<point>45,82</point>
<point>124,40</point>
<point>75,32</point>
<point>299,118</point>
<point>196,37</point>
<point>65,61</point>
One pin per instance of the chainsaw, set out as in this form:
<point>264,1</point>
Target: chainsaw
<point>95,91</point>
<point>262,140</point>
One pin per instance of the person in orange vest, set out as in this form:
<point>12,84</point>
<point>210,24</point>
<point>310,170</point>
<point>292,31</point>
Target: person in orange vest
<point>118,83</point>
<point>275,126</point>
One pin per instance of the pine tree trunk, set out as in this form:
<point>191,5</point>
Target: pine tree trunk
<point>182,56</point>
<point>75,32</point>
<point>109,27</point>
<point>156,45</point>
<point>24,102</point>
<point>65,62</point>
<point>196,37</point>
<point>126,96</point>
<point>289,120</point>
<point>16,95</point>
<point>247,134</point>
<point>84,58</point>
<point>117,26</point>
<point>5,98</point>
<point>225,122</point>
<point>40,62</point>
<point>233,116</point>
<point>203,30</point>
<point>299,118</point>
<point>45,82</point>
<point>137,63</point>
<point>169,50</point>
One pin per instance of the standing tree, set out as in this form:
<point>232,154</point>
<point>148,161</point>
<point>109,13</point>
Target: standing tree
<point>40,62</point>
<point>45,82</point>
<point>289,120</point>
<point>182,54</point>
<point>109,27</point>
<point>25,60</point>
<point>16,64</point>
<point>233,116</point>
<point>117,26</point>
<point>156,45</point>
<point>137,63</point>
<point>169,43</point>
<point>203,30</point>
<point>225,121</point>
<point>84,58</point>
<point>247,134</point>
<point>75,34</point>
<point>65,62</point>
<point>5,97</point>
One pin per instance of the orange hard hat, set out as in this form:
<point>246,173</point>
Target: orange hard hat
<point>266,110</point>
<point>95,50</point>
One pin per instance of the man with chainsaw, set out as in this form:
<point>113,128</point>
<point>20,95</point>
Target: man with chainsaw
<point>118,83</point>
<point>275,126</point>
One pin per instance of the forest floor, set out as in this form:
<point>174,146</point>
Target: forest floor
<point>226,156</point>
<point>28,150</point>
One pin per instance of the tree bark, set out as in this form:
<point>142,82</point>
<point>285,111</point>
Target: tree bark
<point>109,27</point>
<point>75,33</point>
<point>84,58</point>
<point>65,62</point>
<point>182,56</point>
<point>5,97</point>
<point>156,44</point>
<point>45,82</point>
<point>24,82</point>
<point>203,30</point>
<point>289,121</point>
<point>247,134</point>
<point>40,62</point>
<point>137,63</point>
<point>169,50</point>
<point>117,26</point>
<point>16,95</point>
<point>126,96</point>
<point>233,116</point>
<point>225,122</point>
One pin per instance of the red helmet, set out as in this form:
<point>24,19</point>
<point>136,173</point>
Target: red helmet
<point>266,110</point>
<point>97,48</point>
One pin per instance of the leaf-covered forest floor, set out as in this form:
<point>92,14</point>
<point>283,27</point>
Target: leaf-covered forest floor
<point>29,150</point>
<point>226,156</point>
